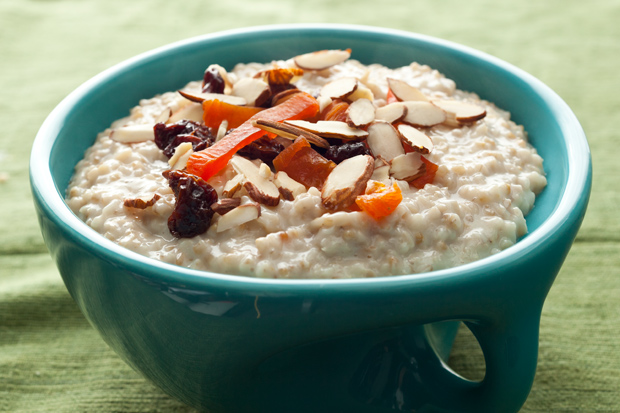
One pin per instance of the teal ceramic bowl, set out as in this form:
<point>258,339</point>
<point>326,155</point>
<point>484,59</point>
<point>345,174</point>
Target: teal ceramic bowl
<point>224,343</point>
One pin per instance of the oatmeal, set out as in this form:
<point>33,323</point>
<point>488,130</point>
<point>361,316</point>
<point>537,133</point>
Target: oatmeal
<point>314,167</point>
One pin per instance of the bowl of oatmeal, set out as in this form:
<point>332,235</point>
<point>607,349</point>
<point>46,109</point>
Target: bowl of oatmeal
<point>256,217</point>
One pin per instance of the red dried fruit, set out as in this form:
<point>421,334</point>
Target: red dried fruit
<point>213,159</point>
<point>212,81</point>
<point>264,148</point>
<point>339,153</point>
<point>168,137</point>
<point>192,212</point>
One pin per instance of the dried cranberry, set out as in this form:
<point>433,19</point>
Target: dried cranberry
<point>264,148</point>
<point>194,196</point>
<point>339,153</point>
<point>213,82</point>
<point>168,137</point>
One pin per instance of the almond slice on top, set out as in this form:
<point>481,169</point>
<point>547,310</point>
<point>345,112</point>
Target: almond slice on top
<point>464,112</point>
<point>339,88</point>
<point>259,188</point>
<point>254,91</point>
<point>289,131</point>
<point>392,112</point>
<point>418,140</point>
<point>133,133</point>
<point>225,205</point>
<point>423,114</point>
<point>233,186</point>
<point>329,129</point>
<point>200,97</point>
<point>322,59</point>
<point>288,187</point>
<point>384,141</point>
<point>346,181</point>
<point>181,155</point>
<point>238,216</point>
<point>193,111</point>
<point>360,113</point>
<point>362,92</point>
<point>407,167</point>
<point>405,92</point>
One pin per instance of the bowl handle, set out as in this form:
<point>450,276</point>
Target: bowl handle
<point>510,348</point>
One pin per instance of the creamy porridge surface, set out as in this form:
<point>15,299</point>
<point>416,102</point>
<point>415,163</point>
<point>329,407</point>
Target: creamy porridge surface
<point>486,182</point>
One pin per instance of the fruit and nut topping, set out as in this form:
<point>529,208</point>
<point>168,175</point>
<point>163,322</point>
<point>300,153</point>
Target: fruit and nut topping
<point>266,140</point>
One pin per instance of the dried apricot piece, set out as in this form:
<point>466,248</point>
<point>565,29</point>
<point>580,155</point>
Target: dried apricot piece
<point>337,110</point>
<point>391,97</point>
<point>304,164</point>
<point>380,200</point>
<point>429,174</point>
<point>215,111</point>
<point>210,161</point>
<point>284,158</point>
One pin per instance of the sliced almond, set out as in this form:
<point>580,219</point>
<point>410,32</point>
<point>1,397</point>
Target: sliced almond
<point>280,75</point>
<point>289,131</point>
<point>464,112</point>
<point>200,97</point>
<point>360,113</point>
<point>193,112</point>
<point>164,116</point>
<point>133,133</point>
<point>181,154</point>
<point>418,140</point>
<point>254,91</point>
<point>221,130</point>
<point>346,181</point>
<point>329,129</point>
<point>381,174</point>
<point>232,186</point>
<point>423,114</point>
<point>322,59</point>
<point>392,112</point>
<point>339,88</point>
<point>384,141</point>
<point>141,203</point>
<point>405,92</point>
<point>362,92</point>
<point>324,102</point>
<point>238,216</point>
<point>407,167</point>
<point>225,205</point>
<point>288,187</point>
<point>259,188</point>
<point>379,162</point>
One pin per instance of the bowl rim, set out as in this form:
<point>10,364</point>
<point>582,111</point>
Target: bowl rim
<point>51,200</point>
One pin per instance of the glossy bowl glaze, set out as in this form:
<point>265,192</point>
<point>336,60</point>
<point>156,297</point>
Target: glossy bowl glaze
<point>224,343</point>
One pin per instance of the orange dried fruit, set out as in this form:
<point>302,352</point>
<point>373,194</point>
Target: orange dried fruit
<point>304,164</point>
<point>210,161</point>
<point>429,174</point>
<point>215,111</point>
<point>380,200</point>
<point>391,97</point>
<point>337,110</point>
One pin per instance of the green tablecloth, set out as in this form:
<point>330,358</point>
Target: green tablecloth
<point>52,360</point>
